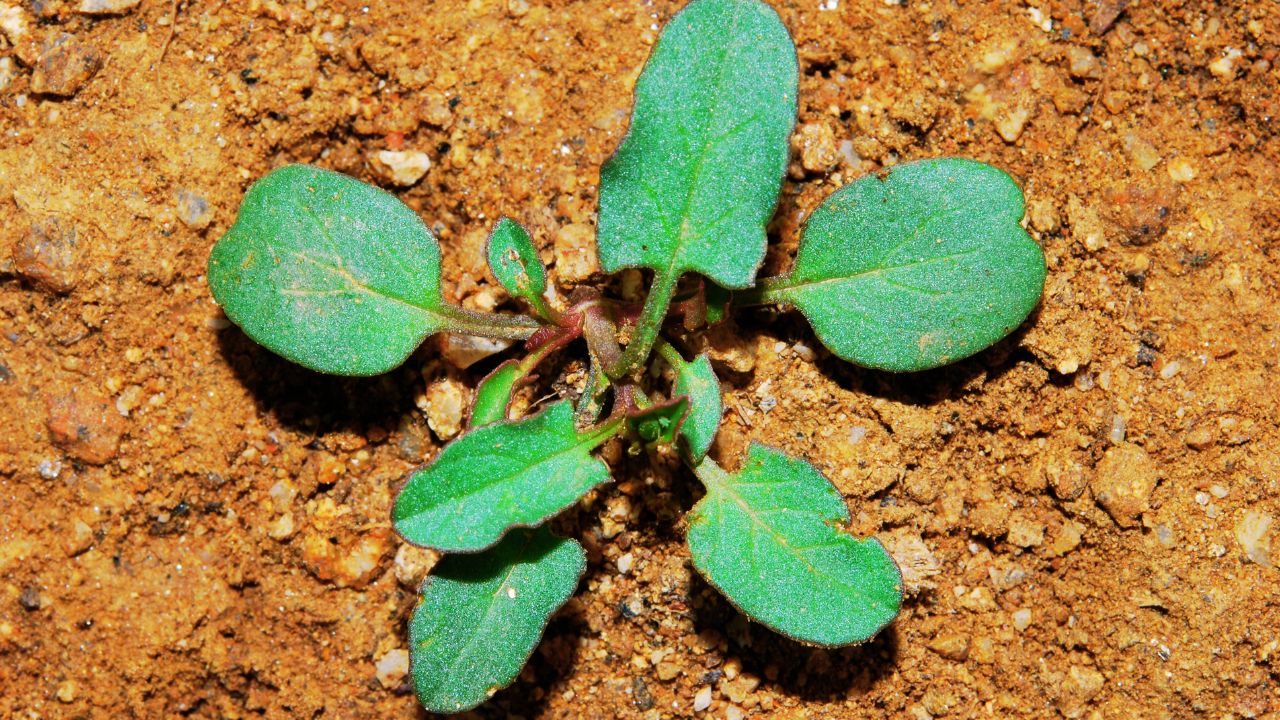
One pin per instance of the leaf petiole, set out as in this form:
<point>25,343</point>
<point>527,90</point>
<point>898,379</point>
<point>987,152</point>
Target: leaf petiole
<point>647,325</point>
<point>764,292</point>
<point>490,325</point>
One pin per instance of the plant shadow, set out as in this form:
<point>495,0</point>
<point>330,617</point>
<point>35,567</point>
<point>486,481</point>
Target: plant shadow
<point>786,666</point>
<point>924,388</point>
<point>312,403</point>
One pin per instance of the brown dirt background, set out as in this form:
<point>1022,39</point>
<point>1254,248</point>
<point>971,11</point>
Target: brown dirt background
<point>1072,501</point>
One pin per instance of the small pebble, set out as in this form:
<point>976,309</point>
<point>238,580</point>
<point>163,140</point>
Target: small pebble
<point>106,7</point>
<point>400,167</point>
<point>444,404</point>
<point>1011,121</point>
<point>1021,619</point>
<point>64,66</point>
<point>1077,689</point>
<point>575,253</point>
<point>282,528</point>
<point>86,426</point>
<point>392,668</point>
<point>702,700</point>
<point>1123,482</point>
<point>193,210</point>
<point>47,255</point>
<point>625,563</point>
<point>1253,532</point>
<point>952,646</point>
<point>1181,170</point>
<point>67,691</point>
<point>412,564</point>
<point>80,539</point>
<point>816,144</point>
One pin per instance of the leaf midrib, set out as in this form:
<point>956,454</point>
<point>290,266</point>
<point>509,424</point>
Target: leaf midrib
<point>680,240</point>
<point>870,273</point>
<point>724,489</point>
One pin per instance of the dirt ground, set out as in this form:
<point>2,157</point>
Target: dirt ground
<point>192,526</point>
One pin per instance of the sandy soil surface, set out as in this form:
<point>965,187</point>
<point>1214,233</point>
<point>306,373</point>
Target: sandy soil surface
<point>192,526</point>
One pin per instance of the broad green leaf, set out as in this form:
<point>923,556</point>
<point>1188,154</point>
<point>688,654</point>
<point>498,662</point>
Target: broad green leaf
<point>660,422</point>
<point>916,268</point>
<point>697,381</point>
<point>515,262</point>
<point>698,174</point>
<point>494,394</point>
<point>329,272</point>
<point>481,616</point>
<point>769,538</point>
<point>507,474</point>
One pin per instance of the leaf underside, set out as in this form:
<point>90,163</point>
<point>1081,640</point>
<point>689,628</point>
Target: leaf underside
<point>698,174</point>
<point>331,273</point>
<point>768,537</point>
<point>481,616</point>
<point>698,381</point>
<point>919,268</point>
<point>502,475</point>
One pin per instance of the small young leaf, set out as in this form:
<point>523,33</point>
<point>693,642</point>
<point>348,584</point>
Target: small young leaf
<point>698,382</point>
<point>514,473</point>
<point>329,272</point>
<point>768,538</point>
<point>916,269</point>
<point>698,174</point>
<point>660,423</point>
<point>494,394</point>
<point>481,616</point>
<point>515,262</point>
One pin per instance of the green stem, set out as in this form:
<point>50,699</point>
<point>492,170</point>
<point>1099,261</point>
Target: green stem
<point>670,354</point>
<point>542,309</point>
<point>765,292</point>
<point>708,472</point>
<point>489,325</point>
<point>647,326</point>
<point>589,406</point>
<point>597,436</point>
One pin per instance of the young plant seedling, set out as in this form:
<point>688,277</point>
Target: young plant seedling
<point>915,267</point>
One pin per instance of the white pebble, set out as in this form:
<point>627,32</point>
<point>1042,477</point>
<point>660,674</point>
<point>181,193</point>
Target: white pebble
<point>392,668</point>
<point>1021,619</point>
<point>625,562</point>
<point>1117,429</point>
<point>702,700</point>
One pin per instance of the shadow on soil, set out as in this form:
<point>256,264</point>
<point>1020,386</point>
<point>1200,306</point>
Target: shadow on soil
<point>313,403</point>
<point>807,673</point>
<point>923,388</point>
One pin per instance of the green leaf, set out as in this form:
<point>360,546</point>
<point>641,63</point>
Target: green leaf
<point>515,262</point>
<point>768,537</point>
<point>698,174</point>
<point>329,272</point>
<point>494,394</point>
<point>717,299</point>
<point>697,381</point>
<point>481,616</point>
<point>660,422</point>
<point>917,268</point>
<point>507,474</point>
